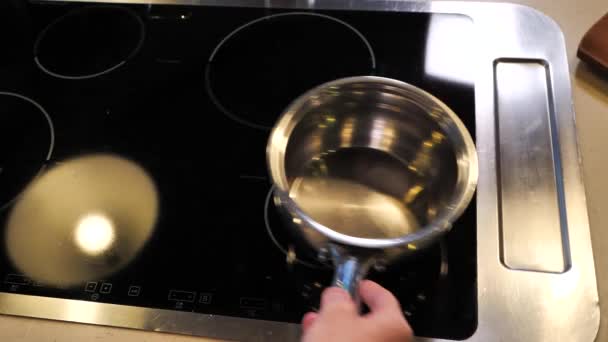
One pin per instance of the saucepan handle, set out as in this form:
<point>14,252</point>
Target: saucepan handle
<point>349,271</point>
<point>348,275</point>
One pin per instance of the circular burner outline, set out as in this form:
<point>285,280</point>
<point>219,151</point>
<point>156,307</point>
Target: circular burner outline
<point>245,122</point>
<point>273,238</point>
<point>78,11</point>
<point>51,131</point>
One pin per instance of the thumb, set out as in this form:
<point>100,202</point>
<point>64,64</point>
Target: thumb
<point>337,300</point>
<point>385,311</point>
<point>380,300</point>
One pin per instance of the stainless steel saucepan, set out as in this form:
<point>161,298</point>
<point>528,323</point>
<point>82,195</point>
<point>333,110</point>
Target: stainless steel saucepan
<point>368,169</point>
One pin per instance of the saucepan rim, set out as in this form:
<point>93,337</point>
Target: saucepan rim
<point>466,154</point>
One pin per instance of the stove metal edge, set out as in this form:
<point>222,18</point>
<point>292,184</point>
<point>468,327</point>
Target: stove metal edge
<point>514,305</point>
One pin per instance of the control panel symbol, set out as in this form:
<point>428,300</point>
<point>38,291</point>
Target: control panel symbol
<point>253,303</point>
<point>182,296</point>
<point>91,286</point>
<point>205,298</point>
<point>134,291</point>
<point>105,288</point>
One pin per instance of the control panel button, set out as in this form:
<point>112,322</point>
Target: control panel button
<point>134,291</point>
<point>91,286</point>
<point>105,288</point>
<point>253,303</point>
<point>182,296</point>
<point>277,307</point>
<point>206,298</point>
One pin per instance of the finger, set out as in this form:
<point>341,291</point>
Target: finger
<point>385,311</point>
<point>337,299</point>
<point>378,299</point>
<point>308,320</point>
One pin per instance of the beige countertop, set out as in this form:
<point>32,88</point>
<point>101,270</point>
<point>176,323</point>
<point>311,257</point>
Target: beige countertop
<point>590,95</point>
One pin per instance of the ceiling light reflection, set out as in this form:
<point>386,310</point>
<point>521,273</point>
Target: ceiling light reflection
<point>346,133</point>
<point>95,234</point>
<point>81,220</point>
<point>383,134</point>
<point>449,51</point>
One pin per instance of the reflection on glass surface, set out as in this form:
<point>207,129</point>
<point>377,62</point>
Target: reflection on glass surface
<point>82,220</point>
<point>94,234</point>
<point>449,44</point>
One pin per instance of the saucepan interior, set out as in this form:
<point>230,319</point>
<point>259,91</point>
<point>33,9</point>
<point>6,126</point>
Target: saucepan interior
<point>372,162</point>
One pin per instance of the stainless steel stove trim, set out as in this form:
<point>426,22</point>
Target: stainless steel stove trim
<point>513,305</point>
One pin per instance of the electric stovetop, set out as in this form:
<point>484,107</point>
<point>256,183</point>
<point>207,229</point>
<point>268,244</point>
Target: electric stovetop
<point>189,94</point>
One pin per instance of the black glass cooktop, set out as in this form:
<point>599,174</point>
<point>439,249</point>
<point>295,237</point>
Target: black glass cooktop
<point>189,94</point>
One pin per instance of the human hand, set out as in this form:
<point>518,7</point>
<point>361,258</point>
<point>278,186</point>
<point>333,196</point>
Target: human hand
<point>339,320</point>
